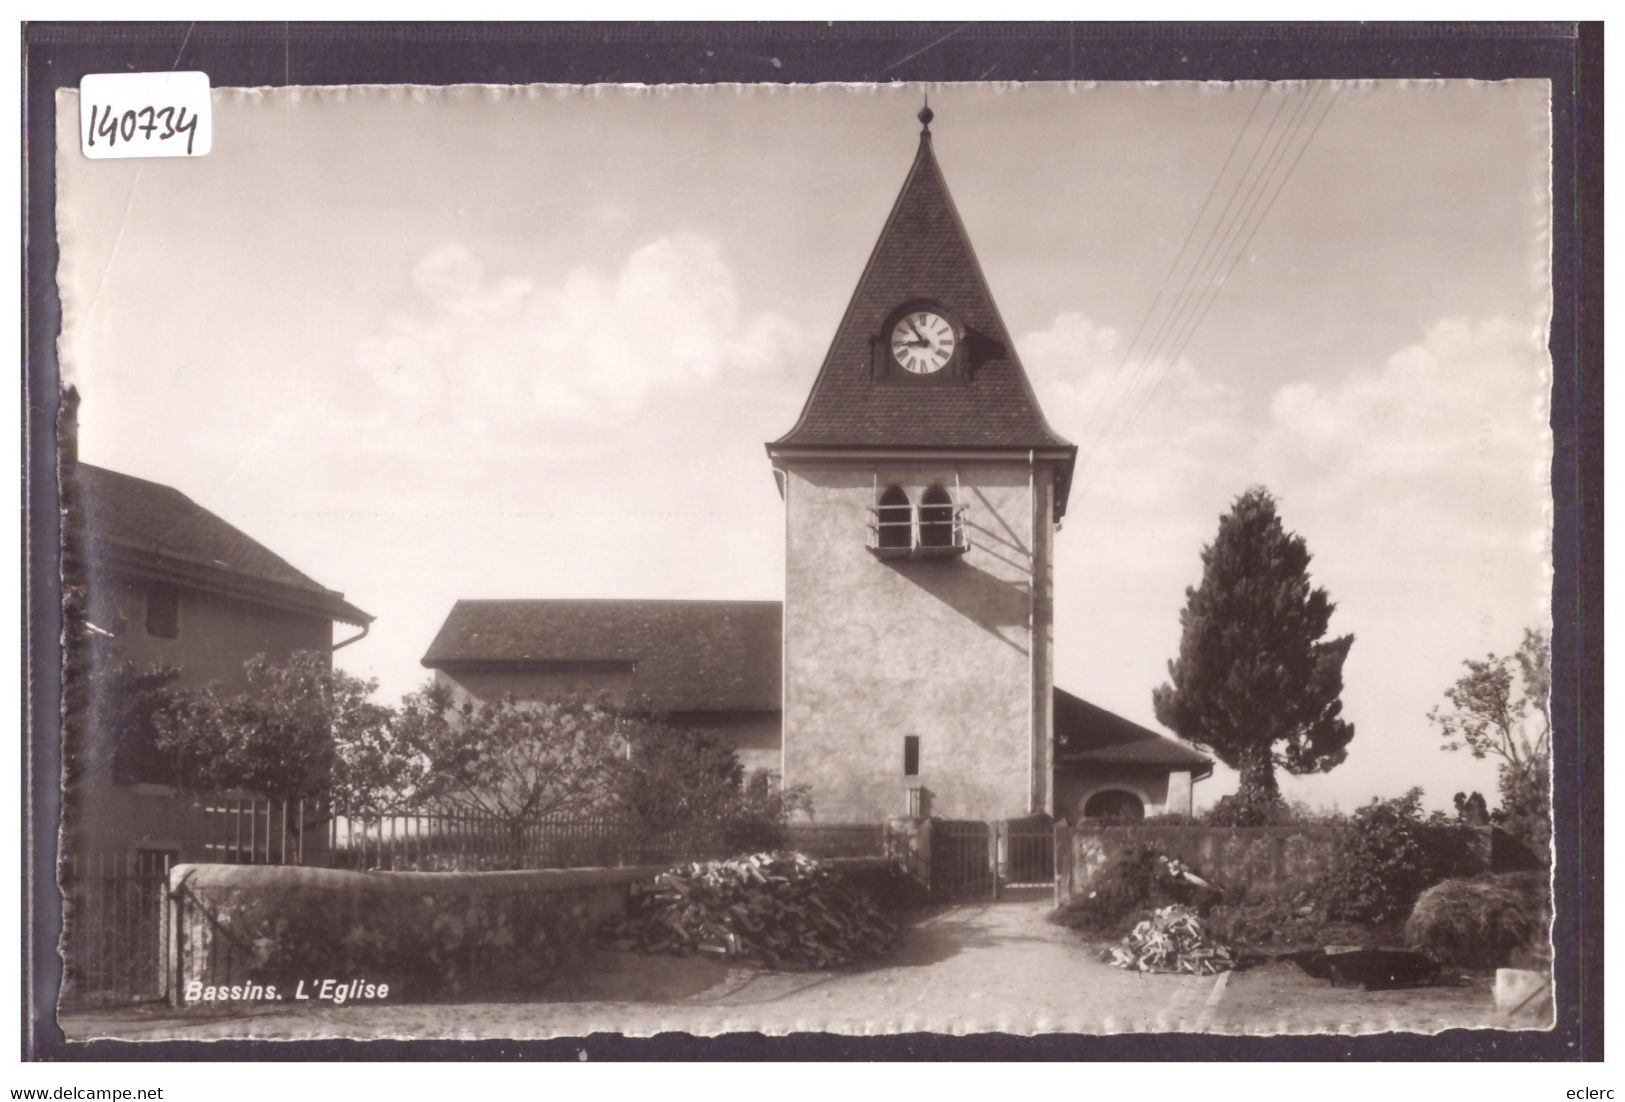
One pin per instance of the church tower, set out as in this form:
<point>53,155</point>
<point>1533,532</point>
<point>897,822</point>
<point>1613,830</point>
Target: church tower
<point>922,488</point>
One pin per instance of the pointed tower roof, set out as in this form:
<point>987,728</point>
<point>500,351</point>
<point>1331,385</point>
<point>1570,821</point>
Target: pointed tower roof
<point>923,253</point>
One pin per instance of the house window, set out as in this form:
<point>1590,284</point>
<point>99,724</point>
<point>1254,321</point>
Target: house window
<point>911,755</point>
<point>936,518</point>
<point>163,612</point>
<point>894,519</point>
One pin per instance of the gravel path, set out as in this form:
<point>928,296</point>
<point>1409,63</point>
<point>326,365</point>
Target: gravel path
<point>966,969</point>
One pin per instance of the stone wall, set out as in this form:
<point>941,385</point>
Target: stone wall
<point>288,929</point>
<point>279,933</point>
<point>1243,861</point>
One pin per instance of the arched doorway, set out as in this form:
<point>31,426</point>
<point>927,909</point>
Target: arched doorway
<point>1114,804</point>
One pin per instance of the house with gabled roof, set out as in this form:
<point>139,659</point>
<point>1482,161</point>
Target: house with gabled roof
<point>914,648</point>
<point>169,583</point>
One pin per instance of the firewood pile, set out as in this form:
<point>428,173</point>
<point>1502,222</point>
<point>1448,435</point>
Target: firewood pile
<point>781,909</point>
<point>1171,940</point>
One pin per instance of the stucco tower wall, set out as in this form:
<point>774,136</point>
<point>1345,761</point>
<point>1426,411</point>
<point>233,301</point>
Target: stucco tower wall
<point>876,650</point>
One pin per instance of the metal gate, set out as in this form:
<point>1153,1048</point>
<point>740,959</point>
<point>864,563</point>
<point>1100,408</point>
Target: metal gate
<point>1027,856</point>
<point>977,860</point>
<point>114,929</point>
<point>962,859</point>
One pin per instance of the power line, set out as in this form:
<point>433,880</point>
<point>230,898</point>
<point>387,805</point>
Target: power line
<point>1190,233</point>
<point>1208,295</point>
<point>1147,366</point>
<point>1269,205</point>
<point>1213,259</point>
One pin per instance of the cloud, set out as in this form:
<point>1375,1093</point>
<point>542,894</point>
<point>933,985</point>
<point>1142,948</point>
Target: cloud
<point>587,350</point>
<point>1153,442</point>
<point>1454,426</point>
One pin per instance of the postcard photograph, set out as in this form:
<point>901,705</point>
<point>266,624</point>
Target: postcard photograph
<point>1031,558</point>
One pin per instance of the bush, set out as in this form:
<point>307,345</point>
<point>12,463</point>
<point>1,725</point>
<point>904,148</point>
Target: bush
<point>1272,923</point>
<point>1131,882</point>
<point>1237,811</point>
<point>1481,922</point>
<point>1380,862</point>
<point>1242,810</point>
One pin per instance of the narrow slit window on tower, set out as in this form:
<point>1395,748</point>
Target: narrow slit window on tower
<point>163,612</point>
<point>911,755</point>
<point>894,519</point>
<point>937,518</point>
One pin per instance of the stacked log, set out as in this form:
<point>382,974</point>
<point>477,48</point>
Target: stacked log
<point>783,910</point>
<point>1171,940</point>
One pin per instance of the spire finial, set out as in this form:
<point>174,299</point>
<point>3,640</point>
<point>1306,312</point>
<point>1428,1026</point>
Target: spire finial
<point>926,115</point>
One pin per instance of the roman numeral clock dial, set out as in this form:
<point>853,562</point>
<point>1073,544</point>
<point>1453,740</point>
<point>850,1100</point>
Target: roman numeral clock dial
<point>922,342</point>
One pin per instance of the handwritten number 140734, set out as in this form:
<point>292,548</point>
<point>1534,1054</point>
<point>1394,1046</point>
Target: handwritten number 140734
<point>151,123</point>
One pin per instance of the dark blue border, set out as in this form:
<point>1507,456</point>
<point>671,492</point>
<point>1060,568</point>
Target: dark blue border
<point>1570,55</point>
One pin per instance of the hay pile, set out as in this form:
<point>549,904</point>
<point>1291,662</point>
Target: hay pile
<point>1481,922</point>
<point>1171,940</point>
<point>784,910</point>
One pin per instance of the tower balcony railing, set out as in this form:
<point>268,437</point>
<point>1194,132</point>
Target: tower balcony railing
<point>923,532</point>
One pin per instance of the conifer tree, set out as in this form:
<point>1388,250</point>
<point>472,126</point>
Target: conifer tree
<point>1256,681</point>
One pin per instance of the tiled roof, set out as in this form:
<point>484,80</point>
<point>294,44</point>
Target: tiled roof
<point>923,252</point>
<point>150,517</point>
<point>685,655</point>
<point>1086,733</point>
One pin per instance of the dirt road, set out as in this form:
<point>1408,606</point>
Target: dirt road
<point>967,969</point>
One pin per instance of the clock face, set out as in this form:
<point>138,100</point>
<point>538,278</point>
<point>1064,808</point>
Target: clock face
<point>922,341</point>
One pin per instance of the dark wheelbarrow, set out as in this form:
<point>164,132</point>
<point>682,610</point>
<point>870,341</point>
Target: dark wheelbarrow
<point>1375,969</point>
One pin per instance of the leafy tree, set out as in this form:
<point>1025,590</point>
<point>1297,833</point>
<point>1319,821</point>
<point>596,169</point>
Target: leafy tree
<point>679,777</point>
<point>1256,681</point>
<point>514,761</point>
<point>1501,708</point>
<point>298,730</point>
<point>110,711</point>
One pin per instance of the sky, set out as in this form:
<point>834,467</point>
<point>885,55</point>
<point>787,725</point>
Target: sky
<point>431,344</point>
